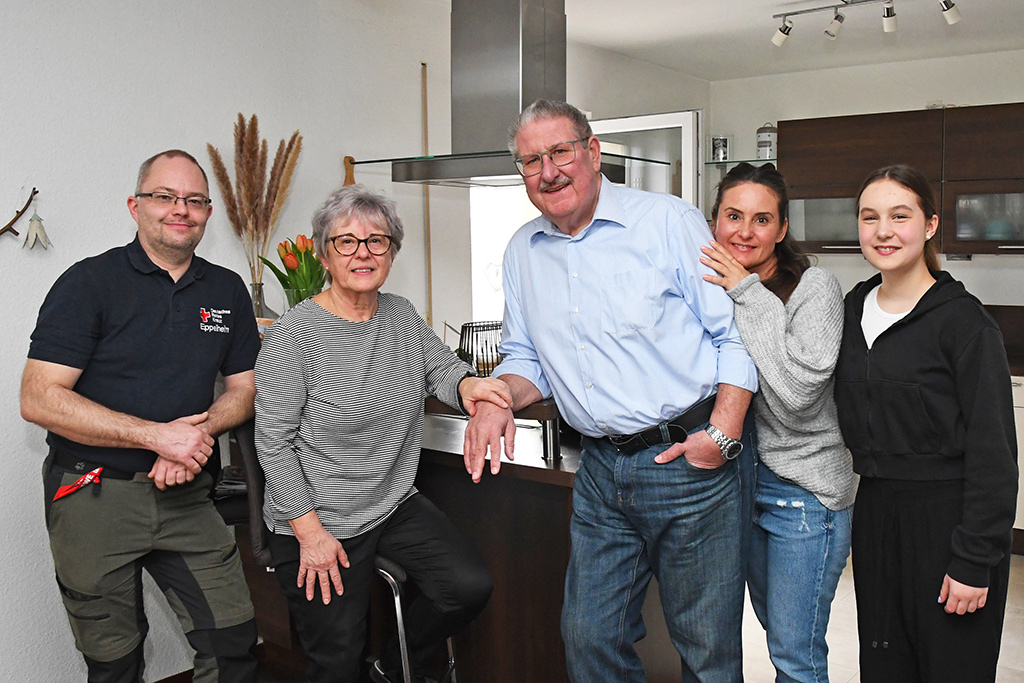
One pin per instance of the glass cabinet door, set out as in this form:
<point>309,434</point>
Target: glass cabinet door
<point>983,217</point>
<point>824,220</point>
<point>824,225</point>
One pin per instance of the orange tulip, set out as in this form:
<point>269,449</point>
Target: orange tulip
<point>291,261</point>
<point>283,248</point>
<point>302,243</point>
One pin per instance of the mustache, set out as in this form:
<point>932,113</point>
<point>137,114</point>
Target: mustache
<point>557,182</point>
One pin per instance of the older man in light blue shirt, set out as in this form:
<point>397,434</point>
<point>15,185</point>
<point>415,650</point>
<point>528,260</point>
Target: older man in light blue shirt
<point>606,311</point>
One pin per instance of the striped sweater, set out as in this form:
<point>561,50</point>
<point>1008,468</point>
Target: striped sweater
<point>339,412</point>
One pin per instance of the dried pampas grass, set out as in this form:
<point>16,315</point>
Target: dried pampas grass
<point>254,202</point>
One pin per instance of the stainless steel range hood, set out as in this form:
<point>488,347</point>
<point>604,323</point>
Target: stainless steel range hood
<point>505,55</point>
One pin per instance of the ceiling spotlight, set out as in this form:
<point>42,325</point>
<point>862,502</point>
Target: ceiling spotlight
<point>783,32</point>
<point>888,17</point>
<point>832,30</point>
<point>949,11</point>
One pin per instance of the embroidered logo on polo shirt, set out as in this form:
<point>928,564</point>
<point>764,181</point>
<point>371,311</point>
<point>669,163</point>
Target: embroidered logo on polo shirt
<point>212,320</point>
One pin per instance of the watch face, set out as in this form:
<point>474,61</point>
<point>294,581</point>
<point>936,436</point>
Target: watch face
<point>732,450</point>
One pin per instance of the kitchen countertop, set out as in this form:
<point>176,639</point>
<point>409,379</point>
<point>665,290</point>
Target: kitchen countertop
<point>443,434</point>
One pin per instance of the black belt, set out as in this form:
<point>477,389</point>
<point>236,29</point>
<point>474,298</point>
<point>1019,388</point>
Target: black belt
<point>72,463</point>
<point>672,431</point>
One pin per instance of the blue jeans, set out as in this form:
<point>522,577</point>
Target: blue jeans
<point>633,518</point>
<point>798,550</point>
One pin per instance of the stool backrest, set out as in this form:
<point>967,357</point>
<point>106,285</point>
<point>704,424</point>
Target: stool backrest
<point>245,436</point>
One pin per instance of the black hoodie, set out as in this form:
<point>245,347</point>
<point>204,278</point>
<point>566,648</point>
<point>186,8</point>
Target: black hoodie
<point>932,401</point>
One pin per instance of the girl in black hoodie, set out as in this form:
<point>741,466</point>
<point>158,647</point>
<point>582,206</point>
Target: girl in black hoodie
<point>923,391</point>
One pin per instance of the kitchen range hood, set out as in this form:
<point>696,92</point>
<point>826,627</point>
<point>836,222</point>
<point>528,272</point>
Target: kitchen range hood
<point>505,55</point>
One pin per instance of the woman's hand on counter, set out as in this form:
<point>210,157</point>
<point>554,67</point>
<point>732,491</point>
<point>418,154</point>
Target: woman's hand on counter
<point>319,557</point>
<point>473,390</point>
<point>486,427</point>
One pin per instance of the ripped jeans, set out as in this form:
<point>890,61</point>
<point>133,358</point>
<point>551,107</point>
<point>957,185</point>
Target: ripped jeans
<point>797,554</point>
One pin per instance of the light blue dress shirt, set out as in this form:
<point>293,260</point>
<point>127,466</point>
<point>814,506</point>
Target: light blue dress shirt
<point>616,322</point>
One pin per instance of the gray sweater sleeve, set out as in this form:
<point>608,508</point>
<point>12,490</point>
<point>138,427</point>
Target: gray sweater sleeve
<point>795,345</point>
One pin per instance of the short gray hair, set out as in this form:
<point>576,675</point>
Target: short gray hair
<point>357,201</point>
<point>545,109</point>
<point>170,154</point>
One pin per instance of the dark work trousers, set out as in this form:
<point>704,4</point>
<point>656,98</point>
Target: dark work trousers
<point>452,580</point>
<point>102,537</point>
<point>902,533</point>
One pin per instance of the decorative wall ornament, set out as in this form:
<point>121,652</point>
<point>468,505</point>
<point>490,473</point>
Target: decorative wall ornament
<point>36,233</point>
<point>10,225</point>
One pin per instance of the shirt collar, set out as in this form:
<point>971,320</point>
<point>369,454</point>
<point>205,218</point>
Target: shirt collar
<point>609,212</point>
<point>140,260</point>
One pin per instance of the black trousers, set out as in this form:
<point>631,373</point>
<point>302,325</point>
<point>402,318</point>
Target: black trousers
<point>902,534</point>
<point>452,581</point>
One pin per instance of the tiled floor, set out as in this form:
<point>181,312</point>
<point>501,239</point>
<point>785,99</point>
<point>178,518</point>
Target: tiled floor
<point>842,636</point>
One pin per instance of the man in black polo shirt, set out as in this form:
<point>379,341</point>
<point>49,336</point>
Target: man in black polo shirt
<point>121,373</point>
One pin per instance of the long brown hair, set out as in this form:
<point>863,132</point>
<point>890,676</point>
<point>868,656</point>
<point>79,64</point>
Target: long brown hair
<point>790,261</point>
<point>915,181</point>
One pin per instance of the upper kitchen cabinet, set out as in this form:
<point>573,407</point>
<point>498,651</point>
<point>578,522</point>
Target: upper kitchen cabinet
<point>983,174</point>
<point>984,143</point>
<point>839,152</point>
<point>825,160</point>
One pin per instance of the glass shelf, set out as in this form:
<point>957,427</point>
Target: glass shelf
<point>755,162</point>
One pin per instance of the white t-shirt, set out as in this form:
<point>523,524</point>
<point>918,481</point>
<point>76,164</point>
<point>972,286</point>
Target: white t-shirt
<point>874,320</point>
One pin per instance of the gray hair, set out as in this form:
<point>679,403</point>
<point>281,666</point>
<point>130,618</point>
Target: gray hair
<point>170,154</point>
<point>357,201</point>
<point>544,109</point>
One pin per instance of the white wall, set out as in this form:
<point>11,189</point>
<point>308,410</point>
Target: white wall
<point>89,91</point>
<point>611,85</point>
<point>739,107</point>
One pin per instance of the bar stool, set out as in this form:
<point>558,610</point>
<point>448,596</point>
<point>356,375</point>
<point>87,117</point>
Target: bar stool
<point>395,576</point>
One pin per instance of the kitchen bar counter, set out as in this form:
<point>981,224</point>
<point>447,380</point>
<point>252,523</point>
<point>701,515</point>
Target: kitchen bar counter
<point>519,521</point>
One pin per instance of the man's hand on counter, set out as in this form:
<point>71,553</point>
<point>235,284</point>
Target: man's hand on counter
<point>484,432</point>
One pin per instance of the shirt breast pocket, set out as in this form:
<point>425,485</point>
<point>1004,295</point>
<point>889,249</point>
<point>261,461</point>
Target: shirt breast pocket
<point>631,302</point>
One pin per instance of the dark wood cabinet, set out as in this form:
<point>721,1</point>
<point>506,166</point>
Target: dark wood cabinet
<point>973,157</point>
<point>832,156</point>
<point>983,217</point>
<point>983,143</point>
<point>825,160</point>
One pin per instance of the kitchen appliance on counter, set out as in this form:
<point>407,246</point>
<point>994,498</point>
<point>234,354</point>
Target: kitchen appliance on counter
<point>478,345</point>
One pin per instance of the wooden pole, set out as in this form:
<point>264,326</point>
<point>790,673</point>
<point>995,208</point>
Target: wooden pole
<point>426,202</point>
<point>350,177</point>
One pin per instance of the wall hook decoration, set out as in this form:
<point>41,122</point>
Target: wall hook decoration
<point>36,233</point>
<point>10,225</point>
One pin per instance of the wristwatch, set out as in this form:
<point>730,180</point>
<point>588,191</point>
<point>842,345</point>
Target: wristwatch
<point>730,447</point>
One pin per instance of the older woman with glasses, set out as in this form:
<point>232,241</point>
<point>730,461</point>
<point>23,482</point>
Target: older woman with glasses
<point>339,420</point>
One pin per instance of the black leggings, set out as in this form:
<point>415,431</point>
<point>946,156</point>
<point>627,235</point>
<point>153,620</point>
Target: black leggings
<point>452,581</point>
<point>902,533</point>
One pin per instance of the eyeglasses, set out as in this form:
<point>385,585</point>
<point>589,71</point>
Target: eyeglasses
<point>194,202</point>
<point>562,154</point>
<point>346,244</point>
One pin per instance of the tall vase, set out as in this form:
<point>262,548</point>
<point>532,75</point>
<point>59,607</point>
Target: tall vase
<point>259,306</point>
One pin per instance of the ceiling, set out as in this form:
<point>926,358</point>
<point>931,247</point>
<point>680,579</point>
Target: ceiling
<point>725,39</point>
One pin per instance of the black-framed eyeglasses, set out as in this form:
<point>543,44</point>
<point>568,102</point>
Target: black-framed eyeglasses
<point>347,244</point>
<point>196,202</point>
<point>562,154</point>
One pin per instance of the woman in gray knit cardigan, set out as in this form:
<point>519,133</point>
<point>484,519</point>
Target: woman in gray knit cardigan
<point>790,315</point>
